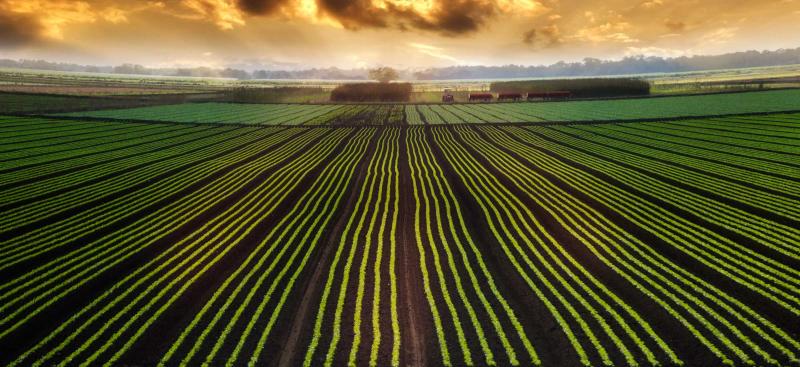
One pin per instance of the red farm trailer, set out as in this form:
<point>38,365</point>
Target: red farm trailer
<point>509,96</point>
<point>480,97</point>
<point>537,95</point>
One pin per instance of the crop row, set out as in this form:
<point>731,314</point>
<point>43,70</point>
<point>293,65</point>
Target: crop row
<point>123,195</point>
<point>436,114</point>
<point>368,235</point>
<point>658,243</point>
<point>219,113</point>
<point>37,103</point>
<point>704,309</point>
<point>189,257</point>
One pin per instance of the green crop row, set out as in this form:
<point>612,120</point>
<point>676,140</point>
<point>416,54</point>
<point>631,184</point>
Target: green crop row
<point>412,115</point>
<point>523,144</point>
<point>268,274</point>
<point>219,113</point>
<point>364,229</point>
<point>183,169</point>
<point>379,114</point>
<point>438,215</point>
<point>631,244</point>
<point>189,253</point>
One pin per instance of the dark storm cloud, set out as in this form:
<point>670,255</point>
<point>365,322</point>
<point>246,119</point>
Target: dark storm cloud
<point>354,14</point>
<point>530,36</point>
<point>18,30</point>
<point>209,32</point>
<point>261,7</point>
<point>448,17</point>
<point>544,37</point>
<point>675,26</point>
<point>461,16</point>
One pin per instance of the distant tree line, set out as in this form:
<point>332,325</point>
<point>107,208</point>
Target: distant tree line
<point>372,92</point>
<point>579,88</point>
<point>129,69</point>
<point>332,73</point>
<point>628,65</point>
<point>587,67</point>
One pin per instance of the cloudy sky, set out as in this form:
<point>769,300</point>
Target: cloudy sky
<point>293,34</point>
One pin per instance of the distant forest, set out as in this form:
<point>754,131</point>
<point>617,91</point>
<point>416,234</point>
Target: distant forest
<point>628,65</point>
<point>587,67</point>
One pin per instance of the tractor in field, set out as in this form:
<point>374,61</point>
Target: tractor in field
<point>447,96</point>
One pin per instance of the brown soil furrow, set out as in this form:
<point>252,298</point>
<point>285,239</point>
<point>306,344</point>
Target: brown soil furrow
<point>676,182</point>
<point>415,321</point>
<point>182,132</point>
<point>547,337</point>
<point>200,291</point>
<point>304,316</point>
<point>51,316</point>
<point>676,334</point>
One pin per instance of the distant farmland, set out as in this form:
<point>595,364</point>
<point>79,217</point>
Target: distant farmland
<point>473,113</point>
<point>203,241</point>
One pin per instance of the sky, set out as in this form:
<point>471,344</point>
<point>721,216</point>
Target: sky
<point>299,34</point>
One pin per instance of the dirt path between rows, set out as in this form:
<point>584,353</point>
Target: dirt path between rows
<point>304,316</point>
<point>412,307</point>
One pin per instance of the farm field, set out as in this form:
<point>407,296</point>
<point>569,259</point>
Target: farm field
<point>425,91</point>
<point>80,90</point>
<point>22,103</point>
<point>288,242</point>
<point>222,113</point>
<point>155,84</point>
<point>26,103</point>
<point>437,114</point>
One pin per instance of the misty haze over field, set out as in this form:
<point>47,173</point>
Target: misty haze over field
<point>294,35</point>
